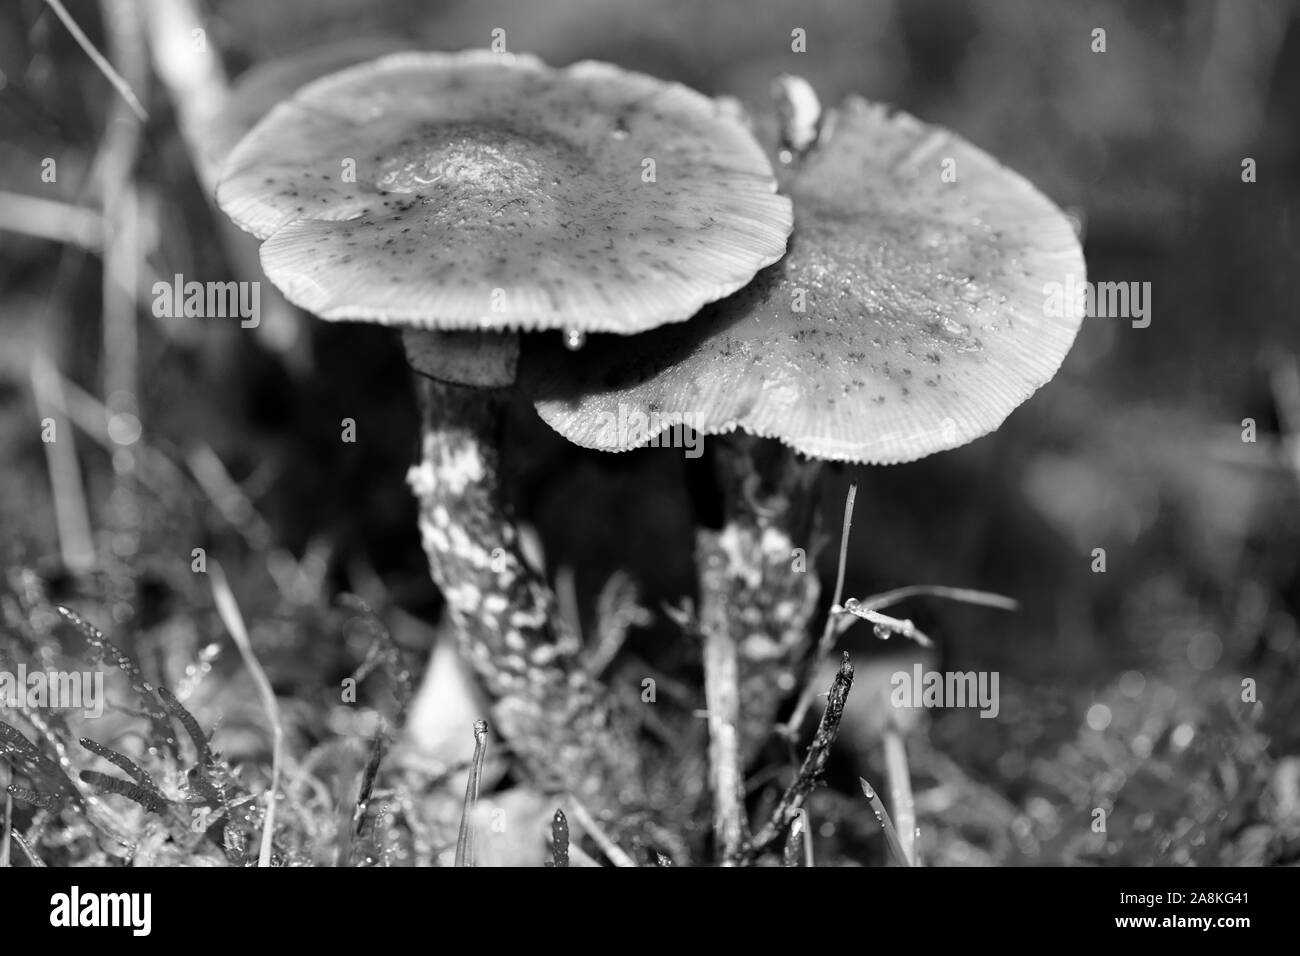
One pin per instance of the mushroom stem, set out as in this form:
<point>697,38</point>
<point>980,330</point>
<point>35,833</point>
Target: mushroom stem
<point>722,696</point>
<point>559,721</point>
<point>768,585</point>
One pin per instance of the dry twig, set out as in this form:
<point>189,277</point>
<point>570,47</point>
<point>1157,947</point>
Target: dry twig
<point>813,764</point>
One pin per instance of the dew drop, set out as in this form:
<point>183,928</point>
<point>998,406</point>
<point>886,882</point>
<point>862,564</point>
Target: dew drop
<point>954,328</point>
<point>574,339</point>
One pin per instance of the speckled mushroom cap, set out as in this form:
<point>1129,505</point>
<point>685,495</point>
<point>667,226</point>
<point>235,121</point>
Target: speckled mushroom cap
<point>504,194</point>
<point>924,315</point>
<point>265,85</point>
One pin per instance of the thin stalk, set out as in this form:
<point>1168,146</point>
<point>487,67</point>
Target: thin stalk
<point>230,615</point>
<point>617,855</point>
<point>123,88</point>
<point>465,840</point>
<point>900,792</point>
<point>791,726</point>
<point>4,835</point>
<point>71,513</point>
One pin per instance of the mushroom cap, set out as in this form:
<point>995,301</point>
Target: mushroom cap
<point>500,194</point>
<point>925,320</point>
<point>263,86</point>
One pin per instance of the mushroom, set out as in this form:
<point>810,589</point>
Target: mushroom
<point>465,197</point>
<point>907,318</point>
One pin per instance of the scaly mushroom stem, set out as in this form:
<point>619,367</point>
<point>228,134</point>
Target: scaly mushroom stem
<point>558,720</point>
<point>768,585</point>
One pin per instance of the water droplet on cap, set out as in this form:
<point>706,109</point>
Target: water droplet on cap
<point>952,326</point>
<point>574,339</point>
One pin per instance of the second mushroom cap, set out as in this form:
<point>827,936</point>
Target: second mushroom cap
<point>910,315</point>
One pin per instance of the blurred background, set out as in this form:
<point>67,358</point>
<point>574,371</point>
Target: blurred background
<point>1121,690</point>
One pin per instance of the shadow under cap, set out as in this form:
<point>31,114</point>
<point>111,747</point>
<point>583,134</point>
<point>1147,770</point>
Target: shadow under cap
<point>497,195</point>
<point>480,359</point>
<point>924,321</point>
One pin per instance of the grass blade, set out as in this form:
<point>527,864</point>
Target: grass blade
<point>831,629</point>
<point>616,854</point>
<point>559,840</point>
<point>465,840</point>
<point>123,88</point>
<point>228,609</point>
<point>122,762</point>
<point>882,817</point>
<point>4,835</point>
<point>900,793</point>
